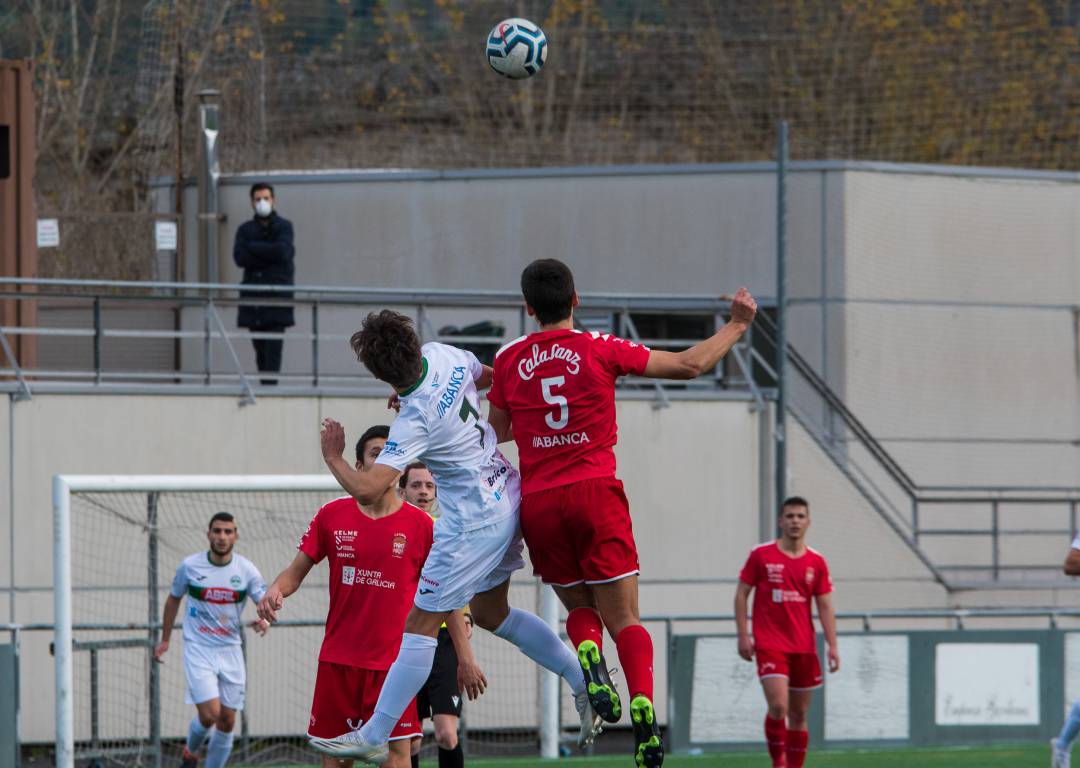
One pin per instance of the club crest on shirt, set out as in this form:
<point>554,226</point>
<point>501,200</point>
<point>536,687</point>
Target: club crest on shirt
<point>809,576</point>
<point>398,549</point>
<point>235,581</point>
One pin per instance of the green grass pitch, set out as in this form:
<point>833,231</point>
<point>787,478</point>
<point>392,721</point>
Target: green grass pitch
<point>1023,756</point>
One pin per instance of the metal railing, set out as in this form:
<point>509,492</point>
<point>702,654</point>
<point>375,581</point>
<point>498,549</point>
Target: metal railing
<point>202,346</point>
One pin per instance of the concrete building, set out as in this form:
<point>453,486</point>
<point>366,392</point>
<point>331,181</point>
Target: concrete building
<point>937,304</point>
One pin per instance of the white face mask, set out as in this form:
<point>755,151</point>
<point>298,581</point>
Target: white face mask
<point>263,207</point>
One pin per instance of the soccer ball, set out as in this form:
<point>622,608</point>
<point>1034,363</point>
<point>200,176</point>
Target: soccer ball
<point>516,48</point>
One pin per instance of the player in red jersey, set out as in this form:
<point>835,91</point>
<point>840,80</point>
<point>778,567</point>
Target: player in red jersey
<point>375,555</point>
<point>784,575</point>
<point>554,390</point>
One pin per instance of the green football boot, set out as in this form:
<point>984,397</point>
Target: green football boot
<point>602,693</point>
<point>648,748</point>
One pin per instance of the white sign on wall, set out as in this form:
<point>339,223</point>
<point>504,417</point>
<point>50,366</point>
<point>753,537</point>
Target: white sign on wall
<point>48,233</point>
<point>1072,669</point>
<point>165,235</point>
<point>875,670</point>
<point>726,700</point>
<point>986,684</point>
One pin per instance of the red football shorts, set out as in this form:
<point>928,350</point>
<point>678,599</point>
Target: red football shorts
<point>345,697</point>
<point>801,669</point>
<point>580,532</point>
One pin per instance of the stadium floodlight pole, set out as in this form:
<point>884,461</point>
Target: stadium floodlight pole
<point>780,432</point>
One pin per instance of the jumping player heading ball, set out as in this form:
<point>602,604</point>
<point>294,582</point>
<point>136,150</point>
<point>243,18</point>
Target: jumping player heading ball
<point>554,390</point>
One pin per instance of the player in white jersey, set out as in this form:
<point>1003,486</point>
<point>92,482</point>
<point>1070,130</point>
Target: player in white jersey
<point>477,540</point>
<point>1061,745</point>
<point>216,582</point>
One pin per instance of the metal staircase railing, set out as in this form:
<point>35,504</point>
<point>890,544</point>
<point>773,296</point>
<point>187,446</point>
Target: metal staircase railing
<point>1000,549</point>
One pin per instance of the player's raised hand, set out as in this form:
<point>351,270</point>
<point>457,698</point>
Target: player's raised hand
<point>743,307</point>
<point>269,605</point>
<point>746,647</point>
<point>332,439</point>
<point>471,679</point>
<point>834,659</point>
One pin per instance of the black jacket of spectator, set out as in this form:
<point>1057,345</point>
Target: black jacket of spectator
<point>264,248</point>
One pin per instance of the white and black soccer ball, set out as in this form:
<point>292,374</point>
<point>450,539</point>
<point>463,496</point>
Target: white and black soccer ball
<point>516,48</point>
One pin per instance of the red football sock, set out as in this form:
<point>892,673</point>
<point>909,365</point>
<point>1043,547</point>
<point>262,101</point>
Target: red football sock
<point>636,656</point>
<point>796,748</point>
<point>776,736</point>
<point>584,624</point>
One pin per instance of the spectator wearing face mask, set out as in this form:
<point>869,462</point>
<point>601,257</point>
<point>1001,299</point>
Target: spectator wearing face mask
<point>264,249</point>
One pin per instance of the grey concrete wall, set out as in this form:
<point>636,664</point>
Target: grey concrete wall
<point>657,232</point>
<point>685,230</point>
<point>909,283</point>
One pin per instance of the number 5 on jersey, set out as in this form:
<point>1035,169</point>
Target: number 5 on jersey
<point>547,385</point>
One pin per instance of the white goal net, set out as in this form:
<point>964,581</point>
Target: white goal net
<point>118,541</point>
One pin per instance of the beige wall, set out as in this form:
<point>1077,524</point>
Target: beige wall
<point>690,470</point>
<point>7,522</point>
<point>929,378</point>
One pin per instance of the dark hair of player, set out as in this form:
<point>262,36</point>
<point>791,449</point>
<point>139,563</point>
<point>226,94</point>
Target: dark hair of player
<point>258,186</point>
<point>795,501</point>
<point>388,346</point>
<point>404,479</point>
<point>225,517</point>
<point>379,430</point>
<point>548,287</point>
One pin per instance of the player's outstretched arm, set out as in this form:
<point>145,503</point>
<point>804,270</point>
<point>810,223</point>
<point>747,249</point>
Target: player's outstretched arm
<point>366,487</point>
<point>827,617</point>
<point>746,641</point>
<point>287,582</point>
<point>1072,563</point>
<point>704,356</point>
<point>484,380</point>
<point>471,678</point>
<point>172,607</point>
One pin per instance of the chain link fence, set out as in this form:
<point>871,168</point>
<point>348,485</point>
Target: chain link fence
<point>403,83</point>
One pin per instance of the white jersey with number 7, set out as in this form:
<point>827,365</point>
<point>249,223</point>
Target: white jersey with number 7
<point>440,424</point>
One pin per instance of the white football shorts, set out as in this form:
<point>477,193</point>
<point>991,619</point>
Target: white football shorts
<point>460,565</point>
<point>214,672</point>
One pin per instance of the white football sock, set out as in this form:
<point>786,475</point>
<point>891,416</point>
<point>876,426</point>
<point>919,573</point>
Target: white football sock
<point>217,754</point>
<point>538,641</point>
<point>196,735</point>
<point>406,677</point>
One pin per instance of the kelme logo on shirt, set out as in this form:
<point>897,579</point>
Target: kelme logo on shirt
<point>393,448</point>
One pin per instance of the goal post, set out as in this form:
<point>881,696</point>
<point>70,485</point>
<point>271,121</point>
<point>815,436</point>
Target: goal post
<point>116,541</point>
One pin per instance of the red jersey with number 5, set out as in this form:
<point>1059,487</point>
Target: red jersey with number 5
<point>559,389</point>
